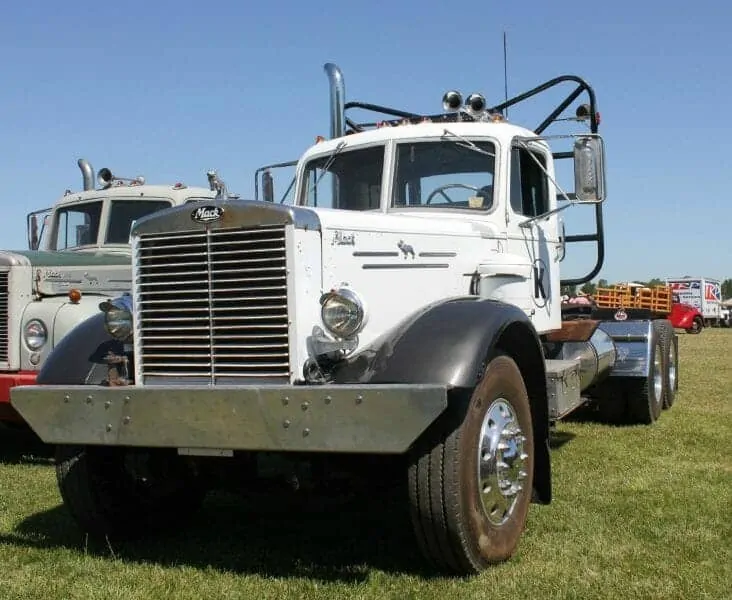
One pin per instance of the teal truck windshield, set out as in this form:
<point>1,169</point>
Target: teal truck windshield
<point>124,213</point>
<point>80,225</point>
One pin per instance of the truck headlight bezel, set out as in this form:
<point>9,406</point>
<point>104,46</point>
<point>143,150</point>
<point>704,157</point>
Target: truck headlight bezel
<point>118,317</point>
<point>35,334</point>
<point>343,313</point>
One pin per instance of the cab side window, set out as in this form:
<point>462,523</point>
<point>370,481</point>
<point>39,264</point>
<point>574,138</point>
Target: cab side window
<point>529,186</point>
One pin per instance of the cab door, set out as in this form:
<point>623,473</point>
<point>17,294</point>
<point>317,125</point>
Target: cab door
<point>532,194</point>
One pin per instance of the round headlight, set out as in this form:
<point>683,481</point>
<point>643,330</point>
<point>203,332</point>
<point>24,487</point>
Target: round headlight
<point>35,334</point>
<point>342,313</point>
<point>118,317</point>
<point>118,323</point>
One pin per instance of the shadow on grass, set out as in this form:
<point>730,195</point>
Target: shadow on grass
<point>271,536</point>
<point>19,445</point>
<point>557,439</point>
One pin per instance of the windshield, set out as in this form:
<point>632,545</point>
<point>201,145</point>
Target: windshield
<point>345,179</point>
<point>451,173</point>
<point>124,212</point>
<point>78,225</point>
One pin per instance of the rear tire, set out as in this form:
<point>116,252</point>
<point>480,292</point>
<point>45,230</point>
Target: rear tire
<point>670,351</point>
<point>470,475</point>
<point>107,495</point>
<point>645,396</point>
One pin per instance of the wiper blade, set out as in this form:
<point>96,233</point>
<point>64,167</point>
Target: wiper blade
<point>466,143</point>
<point>328,164</point>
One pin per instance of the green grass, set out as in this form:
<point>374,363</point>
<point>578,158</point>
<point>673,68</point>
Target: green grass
<point>639,512</point>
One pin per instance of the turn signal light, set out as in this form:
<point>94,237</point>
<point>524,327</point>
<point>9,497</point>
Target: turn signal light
<point>74,296</point>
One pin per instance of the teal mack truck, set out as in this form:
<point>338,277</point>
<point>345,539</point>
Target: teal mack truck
<point>78,256</point>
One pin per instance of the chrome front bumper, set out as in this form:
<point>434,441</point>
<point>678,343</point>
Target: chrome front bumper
<point>334,418</point>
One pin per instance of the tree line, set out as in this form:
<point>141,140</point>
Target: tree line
<point>591,287</point>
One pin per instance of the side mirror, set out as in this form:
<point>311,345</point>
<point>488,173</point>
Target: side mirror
<point>33,238</point>
<point>589,169</point>
<point>267,186</point>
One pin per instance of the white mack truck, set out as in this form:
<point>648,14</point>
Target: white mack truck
<point>407,305</point>
<point>78,255</point>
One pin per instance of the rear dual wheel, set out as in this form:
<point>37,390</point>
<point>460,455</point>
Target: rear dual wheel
<point>646,396</point>
<point>670,350</point>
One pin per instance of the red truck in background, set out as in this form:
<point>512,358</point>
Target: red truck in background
<point>685,316</point>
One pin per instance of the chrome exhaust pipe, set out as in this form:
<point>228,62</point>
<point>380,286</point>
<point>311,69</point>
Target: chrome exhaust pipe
<point>87,173</point>
<point>337,100</point>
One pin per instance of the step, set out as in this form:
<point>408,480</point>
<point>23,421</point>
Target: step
<point>563,387</point>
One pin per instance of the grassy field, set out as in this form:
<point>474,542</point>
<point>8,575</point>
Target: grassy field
<point>638,513</point>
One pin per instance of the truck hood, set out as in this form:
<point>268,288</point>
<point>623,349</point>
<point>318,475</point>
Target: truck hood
<point>55,273</point>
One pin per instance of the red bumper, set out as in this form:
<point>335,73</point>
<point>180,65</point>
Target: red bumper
<point>11,380</point>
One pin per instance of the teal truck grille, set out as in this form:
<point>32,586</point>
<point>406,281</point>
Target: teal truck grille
<point>212,305</point>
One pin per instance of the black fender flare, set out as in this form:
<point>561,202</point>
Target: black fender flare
<point>78,359</point>
<point>450,342</point>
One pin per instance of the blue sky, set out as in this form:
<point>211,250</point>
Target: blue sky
<point>169,90</point>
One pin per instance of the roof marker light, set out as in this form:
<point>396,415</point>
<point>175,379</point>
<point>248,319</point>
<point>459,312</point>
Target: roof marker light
<point>452,101</point>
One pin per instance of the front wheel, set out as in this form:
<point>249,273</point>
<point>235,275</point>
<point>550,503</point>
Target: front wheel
<point>696,326</point>
<point>470,476</point>
<point>121,492</point>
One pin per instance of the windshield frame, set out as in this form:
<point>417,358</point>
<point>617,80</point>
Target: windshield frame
<point>303,183</point>
<point>389,173</point>
<point>460,141</point>
<point>104,220</point>
<point>135,201</point>
<point>53,241</point>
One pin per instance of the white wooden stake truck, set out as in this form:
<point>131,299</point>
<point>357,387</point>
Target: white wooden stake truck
<point>79,255</point>
<point>408,305</point>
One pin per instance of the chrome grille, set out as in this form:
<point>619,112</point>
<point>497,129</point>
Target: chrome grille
<point>213,304</point>
<point>4,315</point>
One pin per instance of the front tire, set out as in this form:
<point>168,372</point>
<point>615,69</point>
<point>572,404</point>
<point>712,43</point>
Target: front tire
<point>124,493</point>
<point>696,326</point>
<point>470,476</point>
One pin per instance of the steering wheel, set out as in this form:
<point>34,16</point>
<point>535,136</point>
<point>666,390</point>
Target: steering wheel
<point>441,190</point>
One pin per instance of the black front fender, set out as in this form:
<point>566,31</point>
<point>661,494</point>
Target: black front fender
<point>78,359</point>
<point>445,343</point>
<point>450,343</point>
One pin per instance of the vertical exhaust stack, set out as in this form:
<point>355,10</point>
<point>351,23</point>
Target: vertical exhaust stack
<point>337,100</point>
<point>87,173</point>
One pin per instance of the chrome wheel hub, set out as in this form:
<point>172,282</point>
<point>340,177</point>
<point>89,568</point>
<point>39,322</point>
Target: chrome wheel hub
<point>501,461</point>
<point>658,374</point>
<point>672,367</point>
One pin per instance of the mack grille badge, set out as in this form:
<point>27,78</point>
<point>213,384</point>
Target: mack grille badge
<point>207,214</point>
